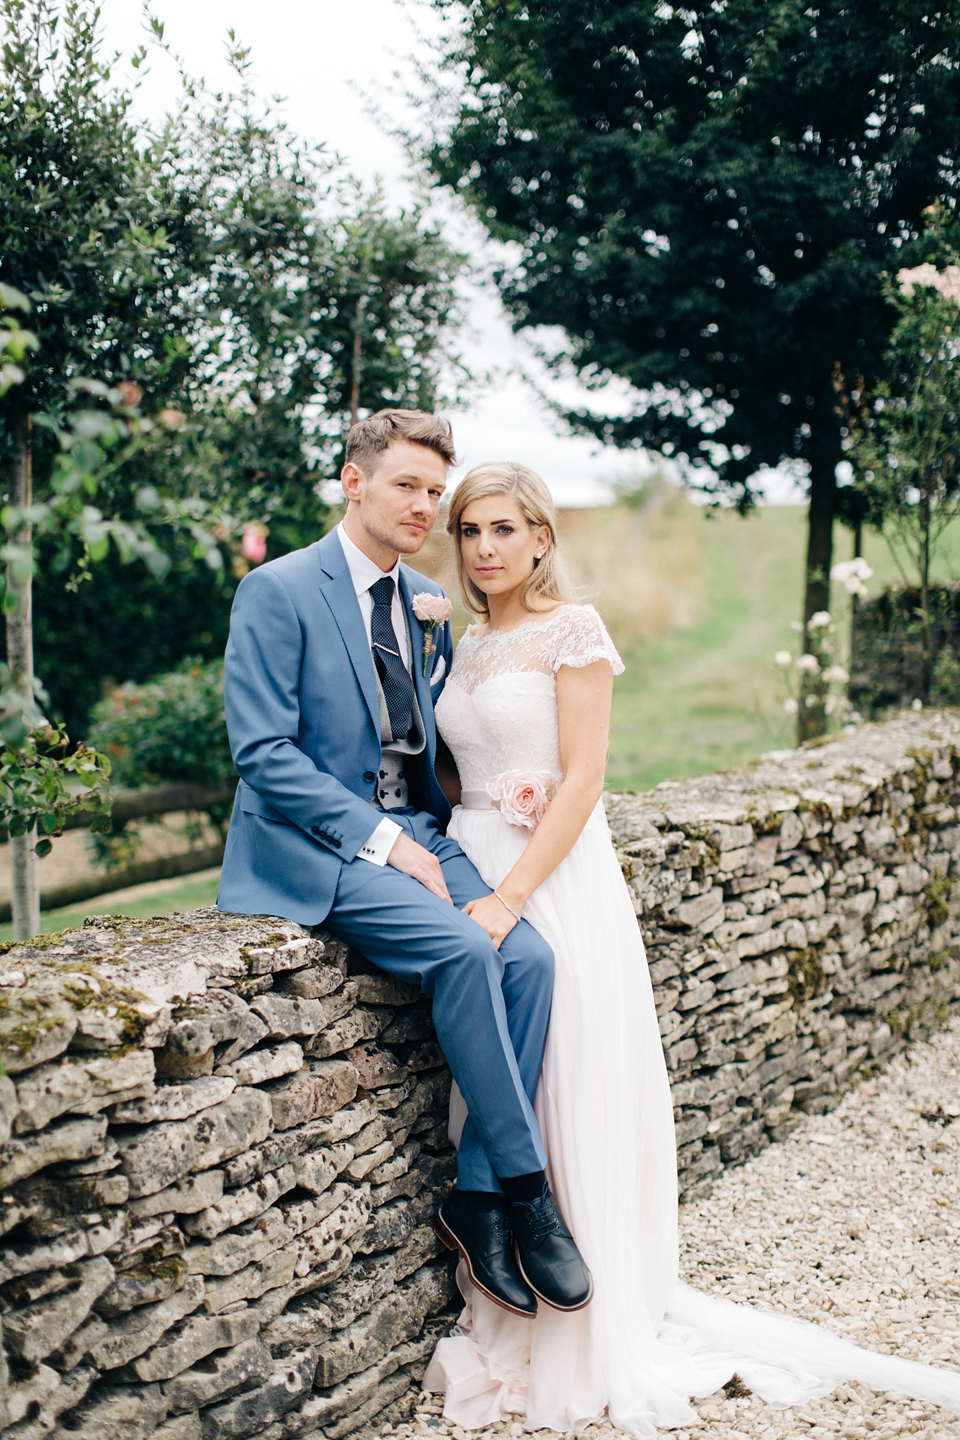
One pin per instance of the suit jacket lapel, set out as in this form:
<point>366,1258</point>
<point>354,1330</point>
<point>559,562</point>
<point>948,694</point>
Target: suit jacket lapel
<point>337,588</point>
<point>420,681</point>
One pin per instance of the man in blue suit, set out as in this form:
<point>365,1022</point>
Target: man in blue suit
<point>339,819</point>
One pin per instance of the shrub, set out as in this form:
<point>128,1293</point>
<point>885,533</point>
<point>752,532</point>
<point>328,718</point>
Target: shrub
<point>171,729</point>
<point>888,646</point>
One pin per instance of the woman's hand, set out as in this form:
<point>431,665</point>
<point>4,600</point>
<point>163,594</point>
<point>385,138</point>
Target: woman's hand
<point>493,915</point>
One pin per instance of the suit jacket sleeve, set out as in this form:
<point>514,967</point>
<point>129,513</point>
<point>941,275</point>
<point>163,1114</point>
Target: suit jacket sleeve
<point>262,703</point>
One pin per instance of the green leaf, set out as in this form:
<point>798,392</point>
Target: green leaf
<point>86,456</point>
<point>49,823</point>
<point>148,498</point>
<point>43,847</point>
<point>13,730</point>
<point>13,299</point>
<point>17,825</point>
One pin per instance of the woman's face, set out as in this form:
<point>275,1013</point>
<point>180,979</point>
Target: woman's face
<point>498,546</point>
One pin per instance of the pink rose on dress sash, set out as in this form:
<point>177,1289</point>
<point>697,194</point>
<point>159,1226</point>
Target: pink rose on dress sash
<point>523,796</point>
<point>431,611</point>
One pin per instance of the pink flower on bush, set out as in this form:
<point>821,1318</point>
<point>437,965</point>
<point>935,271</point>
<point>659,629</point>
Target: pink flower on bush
<point>523,796</point>
<point>254,543</point>
<point>432,609</point>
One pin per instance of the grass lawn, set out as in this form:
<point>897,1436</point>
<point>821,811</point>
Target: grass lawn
<point>186,894</point>
<point>706,696</point>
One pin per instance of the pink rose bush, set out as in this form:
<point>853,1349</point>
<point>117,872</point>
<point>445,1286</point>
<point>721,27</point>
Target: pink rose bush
<point>523,796</point>
<point>431,611</point>
<point>254,543</point>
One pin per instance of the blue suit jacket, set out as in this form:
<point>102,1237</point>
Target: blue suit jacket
<point>303,717</point>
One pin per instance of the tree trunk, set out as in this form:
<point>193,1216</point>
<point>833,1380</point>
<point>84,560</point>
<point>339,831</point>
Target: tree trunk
<point>24,889</point>
<point>926,657</point>
<point>855,599</point>
<point>811,719</point>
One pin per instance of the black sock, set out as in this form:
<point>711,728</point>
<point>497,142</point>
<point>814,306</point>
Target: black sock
<point>523,1187</point>
<point>481,1199</point>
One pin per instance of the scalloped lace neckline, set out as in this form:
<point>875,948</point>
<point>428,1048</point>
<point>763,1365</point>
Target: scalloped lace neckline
<point>525,625</point>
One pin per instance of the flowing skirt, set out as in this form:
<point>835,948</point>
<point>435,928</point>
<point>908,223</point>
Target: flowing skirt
<point>646,1342</point>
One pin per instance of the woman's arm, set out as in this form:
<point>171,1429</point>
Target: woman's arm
<point>584,695</point>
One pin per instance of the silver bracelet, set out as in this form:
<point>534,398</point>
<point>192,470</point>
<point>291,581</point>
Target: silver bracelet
<point>505,905</point>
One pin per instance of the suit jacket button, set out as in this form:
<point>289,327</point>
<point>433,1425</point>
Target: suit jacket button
<point>369,776</point>
<point>314,829</point>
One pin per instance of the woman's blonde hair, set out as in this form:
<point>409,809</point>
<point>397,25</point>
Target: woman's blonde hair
<point>535,503</point>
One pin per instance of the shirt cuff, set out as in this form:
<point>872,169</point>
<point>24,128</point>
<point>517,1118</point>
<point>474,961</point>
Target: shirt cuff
<point>380,843</point>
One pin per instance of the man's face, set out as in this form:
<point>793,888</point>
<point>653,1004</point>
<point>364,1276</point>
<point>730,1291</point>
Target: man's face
<point>393,510</point>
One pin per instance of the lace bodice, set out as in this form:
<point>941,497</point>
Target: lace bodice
<point>498,710</point>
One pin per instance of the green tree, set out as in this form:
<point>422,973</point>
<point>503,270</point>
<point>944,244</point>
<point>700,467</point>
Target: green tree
<point>83,231</point>
<point>193,296</point>
<point>906,445</point>
<point>316,304</point>
<point>705,198</point>
<point>213,264</point>
<point>40,783</point>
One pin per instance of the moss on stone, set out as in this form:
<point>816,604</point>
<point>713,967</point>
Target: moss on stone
<point>805,975</point>
<point>936,895</point>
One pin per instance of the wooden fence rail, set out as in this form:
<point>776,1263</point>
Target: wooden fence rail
<point>137,805</point>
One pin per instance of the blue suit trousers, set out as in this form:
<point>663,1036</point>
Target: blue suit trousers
<point>491,1007</point>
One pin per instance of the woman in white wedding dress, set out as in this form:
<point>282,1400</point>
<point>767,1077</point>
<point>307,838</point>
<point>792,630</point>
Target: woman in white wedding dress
<point>525,713</point>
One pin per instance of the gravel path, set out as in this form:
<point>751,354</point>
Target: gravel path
<point>853,1221</point>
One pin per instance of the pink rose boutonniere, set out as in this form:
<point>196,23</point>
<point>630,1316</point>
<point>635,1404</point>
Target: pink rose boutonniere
<point>523,796</point>
<point>431,611</point>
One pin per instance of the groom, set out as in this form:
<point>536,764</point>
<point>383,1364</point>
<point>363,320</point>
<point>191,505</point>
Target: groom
<point>339,819</point>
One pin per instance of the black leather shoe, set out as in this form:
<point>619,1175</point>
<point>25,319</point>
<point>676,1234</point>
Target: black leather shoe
<point>485,1239</point>
<point>549,1260</point>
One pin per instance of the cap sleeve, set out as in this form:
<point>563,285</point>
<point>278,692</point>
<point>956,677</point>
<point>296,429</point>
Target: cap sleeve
<point>579,637</point>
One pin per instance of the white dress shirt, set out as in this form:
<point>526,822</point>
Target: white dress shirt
<point>364,572</point>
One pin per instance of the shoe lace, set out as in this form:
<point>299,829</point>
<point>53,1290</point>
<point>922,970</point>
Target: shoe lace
<point>540,1219</point>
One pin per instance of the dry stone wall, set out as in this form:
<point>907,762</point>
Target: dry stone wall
<point>800,923</point>
<point>222,1138</point>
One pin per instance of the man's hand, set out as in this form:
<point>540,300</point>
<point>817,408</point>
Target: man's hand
<point>413,859</point>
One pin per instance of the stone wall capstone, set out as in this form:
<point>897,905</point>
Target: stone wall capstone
<point>222,1138</point>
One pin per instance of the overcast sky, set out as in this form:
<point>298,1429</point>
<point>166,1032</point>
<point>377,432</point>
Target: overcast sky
<point>335,63</point>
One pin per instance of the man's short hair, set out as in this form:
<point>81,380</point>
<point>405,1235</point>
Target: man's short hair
<point>369,438</point>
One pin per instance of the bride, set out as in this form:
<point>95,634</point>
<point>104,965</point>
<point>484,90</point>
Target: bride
<point>525,714</point>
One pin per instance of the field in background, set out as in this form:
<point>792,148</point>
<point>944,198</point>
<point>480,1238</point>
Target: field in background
<point>704,695</point>
<point>698,602</point>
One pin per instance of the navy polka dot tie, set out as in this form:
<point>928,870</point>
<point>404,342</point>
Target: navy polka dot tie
<point>394,676</point>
